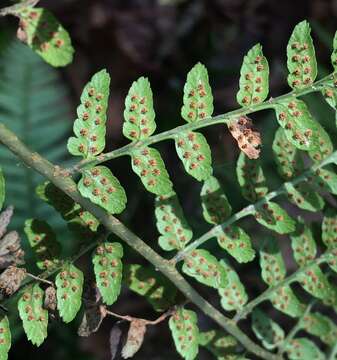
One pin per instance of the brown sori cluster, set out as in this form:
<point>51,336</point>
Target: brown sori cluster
<point>230,239</point>
<point>173,227</point>
<point>272,268</point>
<point>3,339</point>
<point>283,298</point>
<point>93,108</point>
<point>253,83</point>
<point>311,281</point>
<point>268,215</point>
<point>185,330</point>
<point>138,110</point>
<point>191,153</point>
<point>302,71</point>
<point>196,104</point>
<point>329,228</point>
<point>323,150</point>
<point>302,192</point>
<point>333,260</point>
<point>214,204</point>
<point>201,266</point>
<point>248,139</point>
<point>46,38</point>
<point>287,120</point>
<point>295,350</point>
<point>286,157</point>
<point>144,283</point>
<point>254,186</point>
<point>316,283</point>
<point>147,167</point>
<point>68,280</point>
<point>27,297</point>
<point>109,264</point>
<point>303,251</point>
<point>233,295</point>
<point>108,188</point>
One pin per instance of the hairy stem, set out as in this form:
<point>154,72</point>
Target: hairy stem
<point>57,176</point>
<point>287,281</point>
<point>250,209</point>
<point>129,318</point>
<point>219,119</point>
<point>41,279</point>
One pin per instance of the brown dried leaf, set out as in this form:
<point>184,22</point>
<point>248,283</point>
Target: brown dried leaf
<point>115,338</point>
<point>10,246</point>
<point>91,294</point>
<point>135,338</point>
<point>94,311</point>
<point>10,250</point>
<point>92,320</point>
<point>248,138</point>
<point>11,279</point>
<point>5,218</point>
<point>50,300</point>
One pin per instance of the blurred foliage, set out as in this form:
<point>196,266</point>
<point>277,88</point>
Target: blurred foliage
<point>33,103</point>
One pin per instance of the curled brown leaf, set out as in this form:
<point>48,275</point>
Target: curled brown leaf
<point>50,301</point>
<point>248,138</point>
<point>10,245</point>
<point>11,279</point>
<point>135,338</point>
<point>92,320</point>
<point>115,338</point>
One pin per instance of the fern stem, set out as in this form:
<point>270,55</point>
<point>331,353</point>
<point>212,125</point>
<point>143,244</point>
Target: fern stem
<point>40,279</point>
<point>250,209</point>
<point>219,119</point>
<point>287,281</point>
<point>129,318</point>
<point>57,176</point>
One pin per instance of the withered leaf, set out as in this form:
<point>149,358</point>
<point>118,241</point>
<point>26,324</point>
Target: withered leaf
<point>5,218</point>
<point>92,320</point>
<point>10,246</point>
<point>248,138</point>
<point>11,279</point>
<point>91,294</point>
<point>115,338</point>
<point>94,311</point>
<point>10,250</point>
<point>135,338</point>
<point>50,300</point>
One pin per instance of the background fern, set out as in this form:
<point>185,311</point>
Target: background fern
<point>33,103</point>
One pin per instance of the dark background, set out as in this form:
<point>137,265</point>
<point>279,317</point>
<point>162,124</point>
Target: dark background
<point>163,39</point>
